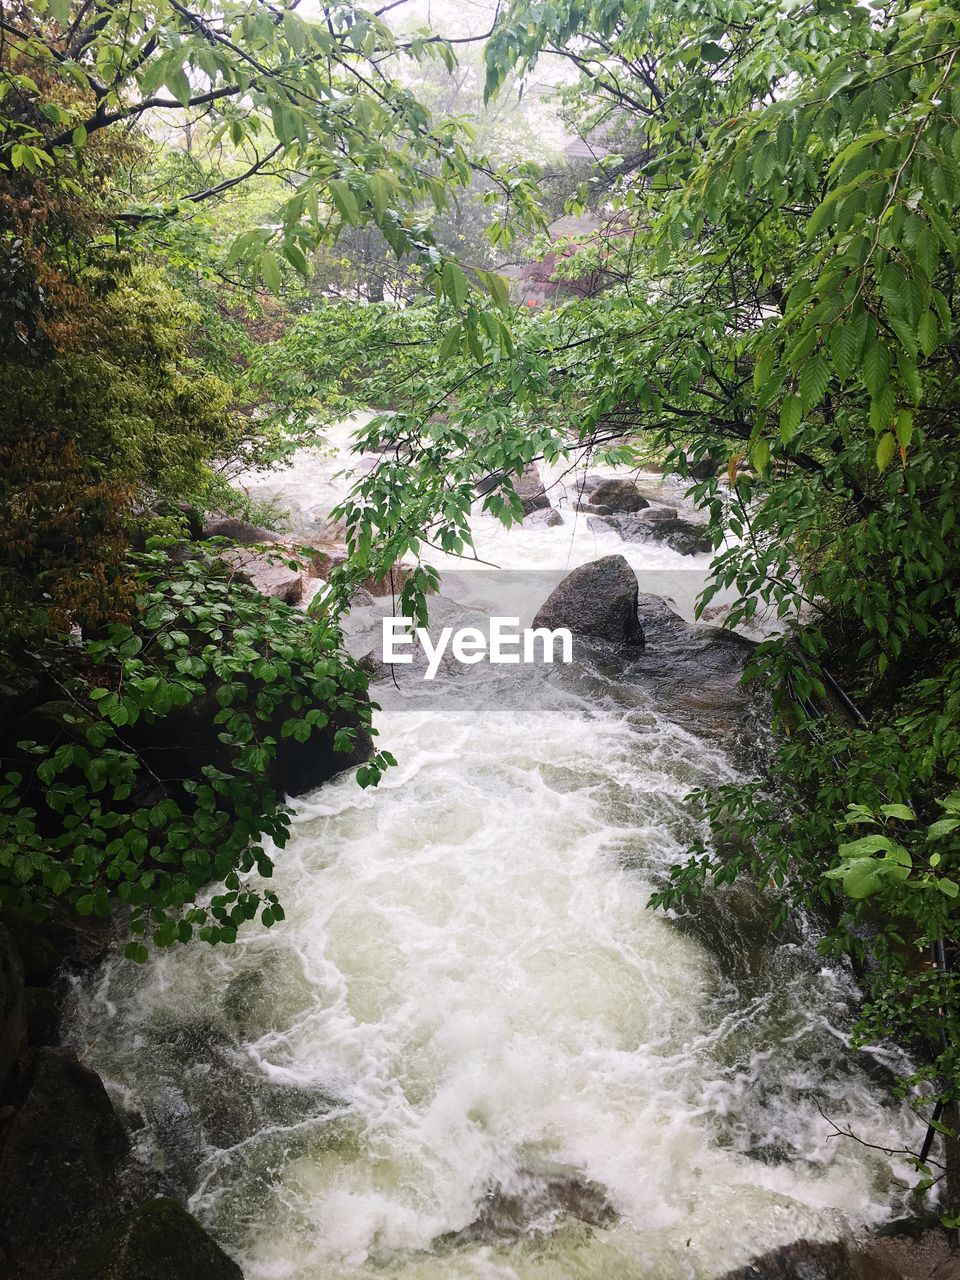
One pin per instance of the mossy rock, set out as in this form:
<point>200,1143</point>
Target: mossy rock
<point>158,1241</point>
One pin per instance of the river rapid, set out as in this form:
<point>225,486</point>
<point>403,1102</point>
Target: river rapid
<point>470,1051</point>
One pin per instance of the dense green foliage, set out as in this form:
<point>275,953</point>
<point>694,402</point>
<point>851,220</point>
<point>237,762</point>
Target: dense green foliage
<point>112,798</point>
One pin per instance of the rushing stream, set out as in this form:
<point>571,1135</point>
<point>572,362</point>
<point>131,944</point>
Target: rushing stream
<point>470,1050</point>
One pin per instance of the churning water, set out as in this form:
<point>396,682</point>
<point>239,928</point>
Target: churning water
<point>470,1051</point>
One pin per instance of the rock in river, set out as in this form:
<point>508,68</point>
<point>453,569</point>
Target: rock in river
<point>598,599</point>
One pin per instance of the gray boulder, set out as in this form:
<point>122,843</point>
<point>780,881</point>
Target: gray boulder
<point>530,491</point>
<point>618,496</point>
<point>686,537</point>
<point>657,515</point>
<point>543,518</point>
<point>597,599</point>
<point>267,574</point>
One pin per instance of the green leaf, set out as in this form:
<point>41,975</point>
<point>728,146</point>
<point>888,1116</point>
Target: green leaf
<point>344,200</point>
<point>178,84</point>
<point>791,412</point>
<point>898,811</point>
<point>886,448</point>
<point>876,368</point>
<point>814,379</point>
<point>270,270</point>
<point>866,844</point>
<point>712,52</point>
<point>455,284</point>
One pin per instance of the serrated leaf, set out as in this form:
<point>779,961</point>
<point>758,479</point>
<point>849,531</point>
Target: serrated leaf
<point>928,333</point>
<point>296,257</point>
<point>845,340</point>
<point>886,448</point>
<point>791,412</point>
<point>876,368</point>
<point>814,380</point>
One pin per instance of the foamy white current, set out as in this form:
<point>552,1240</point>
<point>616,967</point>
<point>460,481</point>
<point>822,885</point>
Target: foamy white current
<point>470,1050</point>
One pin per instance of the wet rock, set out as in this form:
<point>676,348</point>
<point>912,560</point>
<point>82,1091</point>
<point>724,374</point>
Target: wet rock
<point>530,491</point>
<point>707,466</point>
<point>157,1241</point>
<point>916,1249</point>
<point>618,496</point>
<point>535,1207</point>
<point>597,599</point>
<point>657,515</point>
<point>812,1260</point>
<point>544,518</point>
<point>268,574</point>
<point>239,532</point>
<point>43,1014</point>
<point>13,1019</point>
<point>686,537</point>
<point>62,941</point>
<point>181,744</point>
<point>59,1156</point>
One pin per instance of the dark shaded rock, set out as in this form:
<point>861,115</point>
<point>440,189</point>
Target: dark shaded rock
<point>686,537</point>
<point>43,1014</point>
<point>13,1020</point>
<point>158,1241</point>
<point>916,1250</point>
<point>18,693</point>
<point>188,513</point>
<point>179,745</point>
<point>811,1260</point>
<point>62,940</point>
<point>618,495</point>
<point>544,518</point>
<point>707,466</point>
<point>59,1156</point>
<point>239,532</point>
<point>597,599</point>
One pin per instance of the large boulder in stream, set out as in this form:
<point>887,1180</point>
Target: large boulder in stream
<point>617,495</point>
<point>597,599</point>
<point>158,1241</point>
